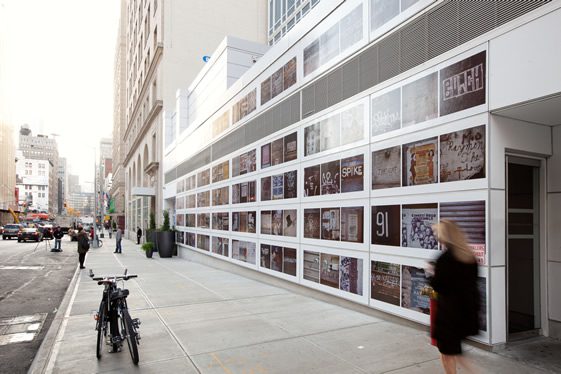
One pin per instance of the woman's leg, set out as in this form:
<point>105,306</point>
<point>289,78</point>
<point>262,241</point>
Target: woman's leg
<point>448,363</point>
<point>467,364</point>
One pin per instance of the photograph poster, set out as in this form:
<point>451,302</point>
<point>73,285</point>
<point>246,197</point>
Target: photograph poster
<point>352,173</point>
<point>420,100</point>
<point>350,277</point>
<point>291,147</point>
<point>278,186</point>
<point>330,223</point>
<point>386,168</point>
<point>220,246</point>
<point>416,226</point>
<point>386,227</point>
<point>351,28</point>
<point>413,281</point>
<point>290,222</point>
<point>420,162</point>
<point>266,90</point>
<point>385,281</point>
<point>266,189</point>
<point>462,155</point>
<point>330,132</point>
<point>352,219</point>
<point>266,156</point>
<point>289,261</point>
<point>352,124</point>
<point>312,136</point>
<point>330,177</point>
<point>311,57</point>
<point>312,223</point>
<point>311,266</point>
<point>276,258</point>
<point>277,83</point>
<point>312,181</point>
<point>191,239</point>
<point>289,70</point>
<point>277,152</point>
<point>329,44</point>
<point>236,193</point>
<point>386,112</point>
<point>276,222</point>
<point>329,274</point>
<point>382,12</point>
<point>290,184</point>
<point>266,222</point>
<point>470,216</point>
<point>462,85</point>
<point>265,260</point>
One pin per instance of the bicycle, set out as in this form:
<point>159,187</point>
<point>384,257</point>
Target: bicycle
<point>113,311</point>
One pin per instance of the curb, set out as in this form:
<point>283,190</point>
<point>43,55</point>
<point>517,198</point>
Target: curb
<point>43,355</point>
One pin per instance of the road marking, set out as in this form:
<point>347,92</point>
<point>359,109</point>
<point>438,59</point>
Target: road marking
<point>22,267</point>
<point>21,329</point>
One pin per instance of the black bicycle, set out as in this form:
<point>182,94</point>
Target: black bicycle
<point>114,323</point>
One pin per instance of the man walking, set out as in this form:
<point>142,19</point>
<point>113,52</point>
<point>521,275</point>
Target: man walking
<point>138,235</point>
<point>118,238</point>
<point>83,246</point>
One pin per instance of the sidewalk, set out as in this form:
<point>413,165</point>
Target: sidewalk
<point>197,319</point>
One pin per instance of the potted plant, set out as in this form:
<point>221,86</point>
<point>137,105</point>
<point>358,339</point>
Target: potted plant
<point>148,248</point>
<point>165,242</point>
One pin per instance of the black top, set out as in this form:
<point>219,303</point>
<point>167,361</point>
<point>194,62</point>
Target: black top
<point>458,298</point>
<point>139,232</point>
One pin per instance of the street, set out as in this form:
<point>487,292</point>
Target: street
<point>33,282</point>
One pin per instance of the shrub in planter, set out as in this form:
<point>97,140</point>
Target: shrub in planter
<point>165,242</point>
<point>148,248</point>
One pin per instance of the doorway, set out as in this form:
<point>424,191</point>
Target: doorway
<point>523,247</point>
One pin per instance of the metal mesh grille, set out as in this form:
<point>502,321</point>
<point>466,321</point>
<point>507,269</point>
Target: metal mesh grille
<point>350,78</point>
<point>320,92</point>
<point>388,57</point>
<point>414,44</point>
<point>334,89</point>
<point>308,101</point>
<point>368,68</point>
<point>443,29</point>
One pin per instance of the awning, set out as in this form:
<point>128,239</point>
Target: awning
<point>143,191</point>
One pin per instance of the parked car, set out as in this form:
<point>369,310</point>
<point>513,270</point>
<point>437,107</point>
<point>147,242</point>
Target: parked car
<point>11,231</point>
<point>1,229</point>
<point>30,233</point>
<point>47,231</point>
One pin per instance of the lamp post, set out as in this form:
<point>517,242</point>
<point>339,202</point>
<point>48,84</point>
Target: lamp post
<point>95,241</point>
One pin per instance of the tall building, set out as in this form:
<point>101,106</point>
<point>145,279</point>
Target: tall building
<point>8,194</point>
<point>62,175</point>
<point>117,190</point>
<point>41,147</point>
<point>368,122</point>
<point>284,14</point>
<point>166,45</point>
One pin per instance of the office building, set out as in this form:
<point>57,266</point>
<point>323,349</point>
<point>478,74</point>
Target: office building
<point>365,125</point>
<point>284,14</point>
<point>32,181</point>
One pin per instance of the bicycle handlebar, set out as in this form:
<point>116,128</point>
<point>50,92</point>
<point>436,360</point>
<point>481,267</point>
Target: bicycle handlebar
<point>114,278</point>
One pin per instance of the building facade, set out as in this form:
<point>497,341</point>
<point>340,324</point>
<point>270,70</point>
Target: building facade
<point>62,175</point>
<point>165,46</point>
<point>8,194</point>
<point>284,14</point>
<point>371,123</point>
<point>41,147</point>
<point>32,181</point>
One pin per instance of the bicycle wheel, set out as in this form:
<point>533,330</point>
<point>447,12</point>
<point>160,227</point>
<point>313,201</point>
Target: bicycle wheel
<point>101,328</point>
<point>130,333</point>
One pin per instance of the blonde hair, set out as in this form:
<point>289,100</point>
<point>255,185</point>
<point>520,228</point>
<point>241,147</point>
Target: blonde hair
<point>451,235</point>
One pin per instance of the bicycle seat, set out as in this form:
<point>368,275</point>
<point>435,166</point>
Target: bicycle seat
<point>119,294</point>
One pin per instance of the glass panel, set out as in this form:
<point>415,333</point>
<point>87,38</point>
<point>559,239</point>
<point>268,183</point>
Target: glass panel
<point>520,186</point>
<point>521,223</point>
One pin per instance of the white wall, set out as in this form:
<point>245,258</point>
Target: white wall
<point>553,229</point>
<point>526,62</point>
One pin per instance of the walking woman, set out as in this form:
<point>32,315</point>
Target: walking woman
<point>455,282</point>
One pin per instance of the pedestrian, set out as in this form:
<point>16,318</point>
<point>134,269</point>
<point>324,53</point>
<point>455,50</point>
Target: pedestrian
<point>457,296</point>
<point>118,238</point>
<point>138,235</point>
<point>91,232</point>
<point>110,232</point>
<point>58,234</point>
<point>83,246</point>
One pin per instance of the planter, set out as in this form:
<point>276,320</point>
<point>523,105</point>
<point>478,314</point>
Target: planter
<point>165,243</point>
<point>148,254</point>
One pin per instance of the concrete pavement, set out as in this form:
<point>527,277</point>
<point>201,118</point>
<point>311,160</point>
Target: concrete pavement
<point>199,319</point>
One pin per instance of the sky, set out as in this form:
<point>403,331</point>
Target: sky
<point>59,58</point>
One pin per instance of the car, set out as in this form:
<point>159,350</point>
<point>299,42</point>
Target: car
<point>1,229</point>
<point>11,231</point>
<point>47,231</point>
<point>30,233</point>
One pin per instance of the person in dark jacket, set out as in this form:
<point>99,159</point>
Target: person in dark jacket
<point>58,234</point>
<point>138,235</point>
<point>83,246</point>
<point>455,282</point>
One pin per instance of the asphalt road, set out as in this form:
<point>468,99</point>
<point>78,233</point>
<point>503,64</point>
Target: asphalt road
<point>33,282</point>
